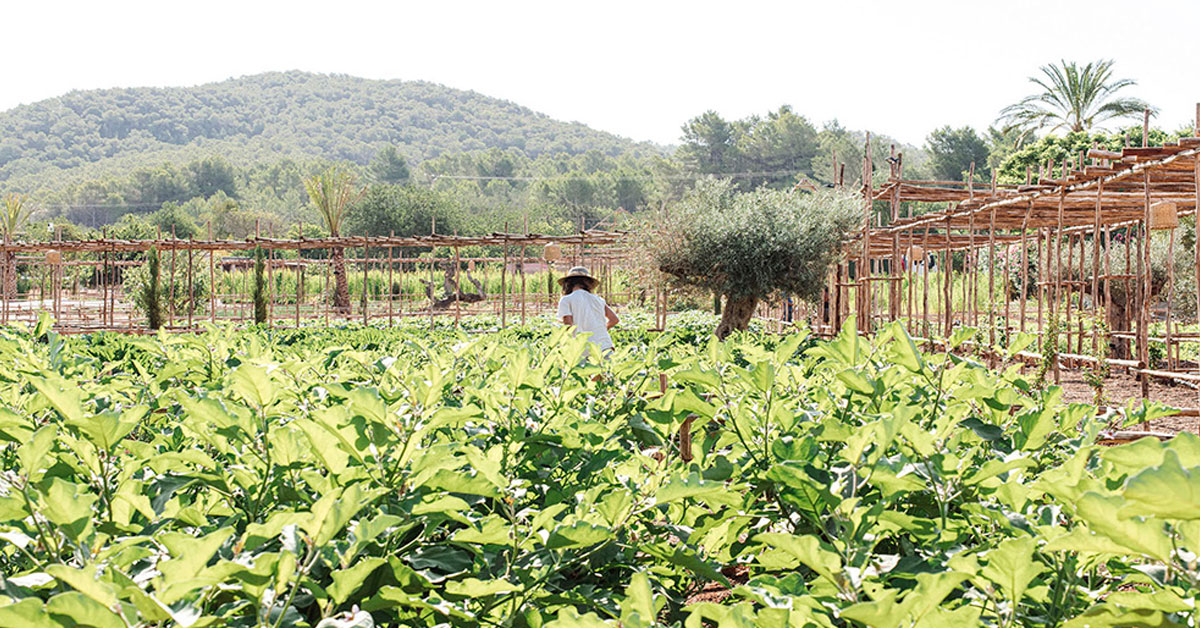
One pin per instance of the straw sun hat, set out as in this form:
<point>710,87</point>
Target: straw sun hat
<point>579,271</point>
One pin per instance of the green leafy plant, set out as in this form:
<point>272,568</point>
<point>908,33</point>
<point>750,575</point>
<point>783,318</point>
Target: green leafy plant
<point>149,298</point>
<point>305,477</point>
<point>260,287</point>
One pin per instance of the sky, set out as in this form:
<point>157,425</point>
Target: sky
<point>637,69</point>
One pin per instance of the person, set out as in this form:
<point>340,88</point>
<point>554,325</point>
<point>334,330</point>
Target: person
<point>581,308</point>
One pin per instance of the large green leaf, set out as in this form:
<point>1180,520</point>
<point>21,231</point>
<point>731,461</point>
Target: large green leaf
<point>1168,491</point>
<point>1012,567</point>
<point>347,581</point>
<point>808,551</point>
<point>77,609</point>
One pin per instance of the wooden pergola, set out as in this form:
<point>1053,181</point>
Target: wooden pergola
<point>1086,198</point>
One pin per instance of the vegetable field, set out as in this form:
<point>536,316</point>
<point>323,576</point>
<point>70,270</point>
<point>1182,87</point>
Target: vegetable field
<point>434,477</point>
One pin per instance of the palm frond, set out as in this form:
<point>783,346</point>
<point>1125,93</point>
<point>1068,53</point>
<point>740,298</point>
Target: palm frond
<point>332,192</point>
<point>1072,97</point>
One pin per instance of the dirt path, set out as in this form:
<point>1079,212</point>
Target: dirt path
<point>1121,387</point>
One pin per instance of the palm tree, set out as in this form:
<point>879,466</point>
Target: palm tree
<point>333,192</point>
<point>1073,98</point>
<point>15,214</point>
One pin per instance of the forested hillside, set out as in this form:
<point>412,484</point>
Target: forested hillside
<point>271,116</point>
<point>232,157</point>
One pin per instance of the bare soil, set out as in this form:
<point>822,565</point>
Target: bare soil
<point>1121,387</point>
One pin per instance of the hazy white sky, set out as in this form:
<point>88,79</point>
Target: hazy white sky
<point>639,69</point>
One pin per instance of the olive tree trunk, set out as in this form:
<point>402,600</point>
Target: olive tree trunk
<point>737,315</point>
<point>341,289</point>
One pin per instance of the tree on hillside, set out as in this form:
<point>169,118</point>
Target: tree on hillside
<point>952,151</point>
<point>17,210</point>
<point>774,149</point>
<point>747,246</point>
<point>211,175</point>
<point>403,210</point>
<point>779,146</point>
<point>708,144</point>
<point>332,192</point>
<point>1073,98</point>
<point>389,167</point>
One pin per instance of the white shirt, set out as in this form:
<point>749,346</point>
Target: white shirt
<point>587,313</point>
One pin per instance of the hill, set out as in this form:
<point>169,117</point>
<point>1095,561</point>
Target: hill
<point>266,117</point>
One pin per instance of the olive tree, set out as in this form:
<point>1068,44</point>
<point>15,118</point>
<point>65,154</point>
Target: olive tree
<point>752,245</point>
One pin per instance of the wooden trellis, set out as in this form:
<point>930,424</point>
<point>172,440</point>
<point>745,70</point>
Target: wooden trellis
<point>44,266</point>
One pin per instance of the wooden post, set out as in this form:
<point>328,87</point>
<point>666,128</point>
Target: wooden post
<point>1096,270</point>
<point>1070,287</point>
<point>191,289</point>
<point>865,288</point>
<point>103,278</point>
<point>1081,284</point>
<point>457,288</point>
<point>1196,217</point>
<point>523,294</point>
<point>838,275</point>
<point>271,280</point>
<point>992,275</point>
<point>1145,276</point>
<point>56,279</point>
<point>947,270</point>
<point>432,249</point>
<point>171,290</point>
<point>4,279</point>
<point>1058,274</point>
<point>925,283</point>
<point>366,279</point>
<point>299,296</point>
<point>212,278</point>
<point>1043,261</point>
<point>504,282</point>
<point>1170,294</point>
<point>894,288</point>
<point>389,279</point>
